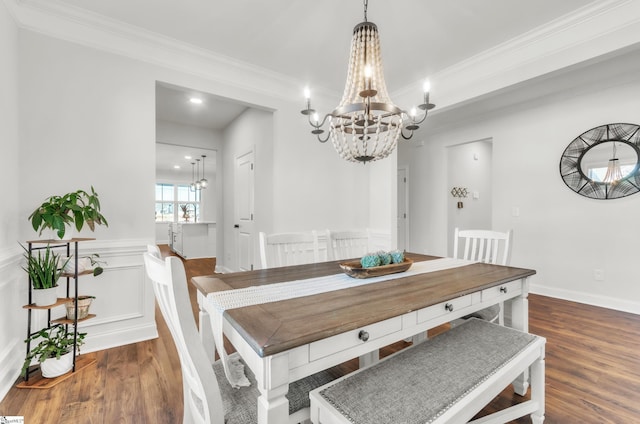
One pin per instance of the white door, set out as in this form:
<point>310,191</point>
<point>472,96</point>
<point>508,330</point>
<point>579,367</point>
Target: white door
<point>402,221</point>
<point>244,184</point>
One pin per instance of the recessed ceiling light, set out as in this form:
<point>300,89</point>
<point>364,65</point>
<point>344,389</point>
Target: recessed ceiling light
<point>196,100</point>
<point>176,166</point>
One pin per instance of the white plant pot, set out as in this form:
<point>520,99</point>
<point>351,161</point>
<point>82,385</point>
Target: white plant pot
<point>45,297</point>
<point>70,268</point>
<point>53,367</point>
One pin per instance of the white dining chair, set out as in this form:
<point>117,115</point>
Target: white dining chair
<point>154,250</point>
<point>347,244</point>
<point>208,396</point>
<point>492,247</point>
<point>286,249</point>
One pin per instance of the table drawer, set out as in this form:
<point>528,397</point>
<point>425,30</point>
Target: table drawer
<point>350,339</point>
<point>503,291</point>
<point>443,308</point>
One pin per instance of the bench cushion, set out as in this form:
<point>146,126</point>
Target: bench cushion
<point>420,383</point>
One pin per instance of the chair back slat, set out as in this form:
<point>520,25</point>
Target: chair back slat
<point>202,399</point>
<point>347,244</point>
<point>493,247</point>
<point>286,249</point>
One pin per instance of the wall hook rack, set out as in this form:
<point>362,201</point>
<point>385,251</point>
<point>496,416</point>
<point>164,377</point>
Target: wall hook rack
<point>459,192</point>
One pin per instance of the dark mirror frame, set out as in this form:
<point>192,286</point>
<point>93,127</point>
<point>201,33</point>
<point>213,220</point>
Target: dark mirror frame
<point>576,180</point>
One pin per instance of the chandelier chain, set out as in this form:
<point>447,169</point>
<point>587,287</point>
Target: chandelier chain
<point>366,5</point>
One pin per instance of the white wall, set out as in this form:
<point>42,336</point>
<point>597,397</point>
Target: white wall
<point>469,166</point>
<point>313,187</point>
<point>251,131</point>
<point>87,118</point>
<point>13,288</point>
<point>562,235</point>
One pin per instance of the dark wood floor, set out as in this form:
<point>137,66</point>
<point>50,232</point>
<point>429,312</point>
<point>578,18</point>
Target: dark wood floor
<point>592,374</point>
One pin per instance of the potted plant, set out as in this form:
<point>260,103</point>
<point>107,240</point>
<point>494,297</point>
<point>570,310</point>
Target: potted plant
<point>54,352</point>
<point>84,302</point>
<point>85,263</point>
<point>77,208</point>
<point>185,212</point>
<point>44,271</point>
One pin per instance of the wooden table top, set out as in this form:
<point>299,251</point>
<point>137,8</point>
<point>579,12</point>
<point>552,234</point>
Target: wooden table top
<point>278,326</point>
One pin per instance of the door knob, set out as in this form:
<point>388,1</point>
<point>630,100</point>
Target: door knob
<point>236,226</point>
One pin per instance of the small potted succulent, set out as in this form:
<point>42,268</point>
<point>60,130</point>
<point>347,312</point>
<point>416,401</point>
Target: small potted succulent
<point>44,270</point>
<point>54,352</point>
<point>76,208</point>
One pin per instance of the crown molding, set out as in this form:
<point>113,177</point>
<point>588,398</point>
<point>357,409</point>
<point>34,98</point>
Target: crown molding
<point>593,31</point>
<point>598,28</point>
<point>96,31</point>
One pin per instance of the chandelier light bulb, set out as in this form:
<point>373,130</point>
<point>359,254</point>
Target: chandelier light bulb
<point>368,72</point>
<point>426,87</point>
<point>316,118</point>
<point>414,112</point>
<point>307,93</point>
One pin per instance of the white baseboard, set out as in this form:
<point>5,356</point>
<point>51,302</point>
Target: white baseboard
<point>121,337</point>
<point>587,298</point>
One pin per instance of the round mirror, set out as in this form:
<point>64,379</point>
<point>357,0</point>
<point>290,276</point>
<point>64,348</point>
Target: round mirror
<point>604,162</point>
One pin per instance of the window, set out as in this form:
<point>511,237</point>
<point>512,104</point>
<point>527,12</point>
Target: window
<point>177,203</point>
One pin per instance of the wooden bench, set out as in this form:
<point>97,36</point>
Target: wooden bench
<point>447,379</point>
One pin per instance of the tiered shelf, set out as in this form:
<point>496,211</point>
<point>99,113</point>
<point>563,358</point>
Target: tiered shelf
<point>34,379</point>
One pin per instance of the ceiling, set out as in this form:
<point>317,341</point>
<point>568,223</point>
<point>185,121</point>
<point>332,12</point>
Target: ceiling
<point>308,41</point>
<point>216,113</point>
<point>168,156</point>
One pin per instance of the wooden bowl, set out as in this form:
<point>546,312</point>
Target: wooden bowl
<point>355,270</point>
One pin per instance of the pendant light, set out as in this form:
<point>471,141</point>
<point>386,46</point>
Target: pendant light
<point>192,186</point>
<point>198,183</point>
<point>203,182</point>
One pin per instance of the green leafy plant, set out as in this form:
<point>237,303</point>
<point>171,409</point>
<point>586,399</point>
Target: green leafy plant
<point>54,343</point>
<point>77,208</point>
<point>44,269</point>
<point>94,262</point>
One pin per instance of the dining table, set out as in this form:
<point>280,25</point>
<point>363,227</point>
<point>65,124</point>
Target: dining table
<point>290,322</point>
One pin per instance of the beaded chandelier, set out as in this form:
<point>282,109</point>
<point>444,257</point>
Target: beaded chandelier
<point>366,125</point>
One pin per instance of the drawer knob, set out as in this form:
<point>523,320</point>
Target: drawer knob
<point>363,335</point>
<point>503,289</point>
<point>449,307</point>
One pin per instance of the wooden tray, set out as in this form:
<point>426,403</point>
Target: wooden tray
<point>354,269</point>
